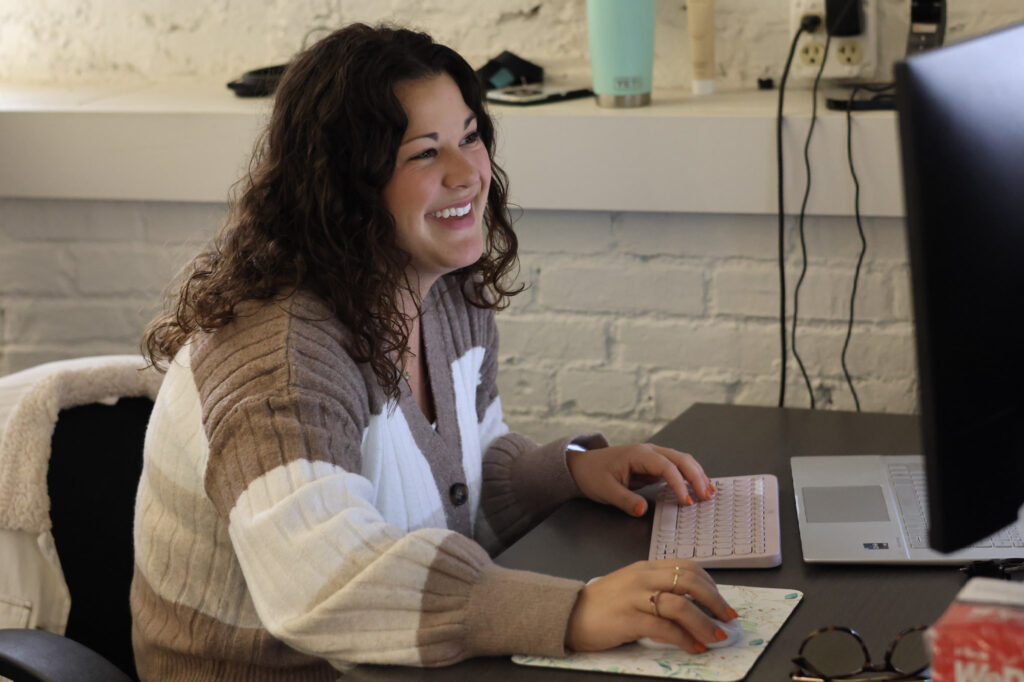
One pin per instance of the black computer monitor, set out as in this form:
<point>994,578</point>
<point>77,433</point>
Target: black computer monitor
<point>961,122</point>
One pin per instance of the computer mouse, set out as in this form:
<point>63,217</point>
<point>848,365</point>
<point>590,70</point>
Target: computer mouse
<point>731,628</point>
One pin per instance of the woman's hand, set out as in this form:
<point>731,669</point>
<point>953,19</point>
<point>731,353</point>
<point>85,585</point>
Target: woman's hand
<point>610,475</point>
<point>646,599</point>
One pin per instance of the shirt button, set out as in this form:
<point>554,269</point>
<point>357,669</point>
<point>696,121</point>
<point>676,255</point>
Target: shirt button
<point>458,494</point>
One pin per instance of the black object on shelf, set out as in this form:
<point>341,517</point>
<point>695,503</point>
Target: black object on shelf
<point>509,69</point>
<point>258,82</point>
<point>866,97</point>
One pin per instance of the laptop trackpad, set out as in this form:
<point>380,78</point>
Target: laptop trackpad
<point>844,504</point>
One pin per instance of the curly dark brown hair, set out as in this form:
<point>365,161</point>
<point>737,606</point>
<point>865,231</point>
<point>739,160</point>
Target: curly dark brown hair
<point>311,215</point>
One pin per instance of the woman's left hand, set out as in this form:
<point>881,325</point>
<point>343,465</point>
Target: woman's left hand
<point>610,475</point>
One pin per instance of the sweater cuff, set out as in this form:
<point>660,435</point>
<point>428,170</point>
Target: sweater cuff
<point>544,471</point>
<point>533,611</point>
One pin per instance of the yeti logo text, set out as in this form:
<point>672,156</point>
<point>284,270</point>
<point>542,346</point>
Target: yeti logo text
<point>629,82</point>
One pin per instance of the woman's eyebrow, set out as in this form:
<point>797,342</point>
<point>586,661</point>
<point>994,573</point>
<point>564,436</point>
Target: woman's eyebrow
<point>434,136</point>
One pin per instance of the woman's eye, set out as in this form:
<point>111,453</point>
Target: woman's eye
<point>425,154</point>
<point>471,138</point>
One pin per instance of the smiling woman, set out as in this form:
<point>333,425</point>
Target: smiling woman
<point>439,187</point>
<point>437,195</point>
<point>327,468</point>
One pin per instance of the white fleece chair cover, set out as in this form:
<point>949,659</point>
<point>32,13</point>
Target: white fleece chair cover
<point>33,592</point>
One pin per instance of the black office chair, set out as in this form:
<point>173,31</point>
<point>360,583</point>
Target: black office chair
<point>94,470</point>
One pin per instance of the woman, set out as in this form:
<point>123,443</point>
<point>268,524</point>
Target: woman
<point>327,457</point>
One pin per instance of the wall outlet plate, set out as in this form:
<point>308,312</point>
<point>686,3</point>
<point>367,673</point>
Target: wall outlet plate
<point>849,57</point>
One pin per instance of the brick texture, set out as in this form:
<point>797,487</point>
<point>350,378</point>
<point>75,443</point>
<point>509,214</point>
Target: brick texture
<point>627,319</point>
<point>104,41</point>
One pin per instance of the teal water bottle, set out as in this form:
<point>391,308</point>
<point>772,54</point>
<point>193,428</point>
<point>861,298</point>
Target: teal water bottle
<point>621,36</point>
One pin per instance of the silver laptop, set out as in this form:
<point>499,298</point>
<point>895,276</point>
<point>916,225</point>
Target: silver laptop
<point>873,509</point>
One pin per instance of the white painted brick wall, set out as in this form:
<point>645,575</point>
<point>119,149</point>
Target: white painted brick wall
<point>629,318</point>
<point>133,41</point>
<point>84,277</point>
<point>633,317</point>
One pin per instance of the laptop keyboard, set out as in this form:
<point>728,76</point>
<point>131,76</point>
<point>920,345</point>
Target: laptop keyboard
<point>910,488</point>
<point>737,528</point>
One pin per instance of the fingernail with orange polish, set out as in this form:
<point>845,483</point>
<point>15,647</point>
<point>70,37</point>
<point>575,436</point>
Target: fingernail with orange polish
<point>688,500</point>
<point>700,648</point>
<point>732,613</point>
<point>638,510</point>
<point>720,635</point>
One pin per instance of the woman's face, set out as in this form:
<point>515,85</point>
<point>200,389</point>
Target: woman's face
<point>438,191</point>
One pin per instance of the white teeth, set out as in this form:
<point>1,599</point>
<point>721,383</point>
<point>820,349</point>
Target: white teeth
<point>452,212</point>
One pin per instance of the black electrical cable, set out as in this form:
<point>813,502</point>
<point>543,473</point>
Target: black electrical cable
<point>860,228</point>
<point>803,215</point>
<point>863,243</point>
<point>807,187</point>
<point>782,216</point>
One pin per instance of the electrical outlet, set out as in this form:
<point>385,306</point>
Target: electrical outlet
<point>849,52</point>
<point>849,57</point>
<point>812,52</point>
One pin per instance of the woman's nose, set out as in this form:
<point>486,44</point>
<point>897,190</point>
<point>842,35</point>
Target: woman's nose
<point>459,171</point>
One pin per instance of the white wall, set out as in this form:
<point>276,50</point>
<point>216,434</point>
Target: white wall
<point>131,40</point>
<point>634,316</point>
<point>629,318</point>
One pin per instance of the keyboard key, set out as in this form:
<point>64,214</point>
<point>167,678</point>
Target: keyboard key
<point>907,498</point>
<point>918,541</point>
<point>668,517</point>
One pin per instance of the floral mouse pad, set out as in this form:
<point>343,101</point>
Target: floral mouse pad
<point>762,612</point>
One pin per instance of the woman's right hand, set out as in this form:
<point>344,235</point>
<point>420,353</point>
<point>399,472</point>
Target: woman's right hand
<point>618,608</point>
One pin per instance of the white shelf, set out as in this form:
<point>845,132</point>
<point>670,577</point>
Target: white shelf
<point>713,154</point>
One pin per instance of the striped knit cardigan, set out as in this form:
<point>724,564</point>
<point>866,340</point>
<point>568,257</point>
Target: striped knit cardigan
<point>290,522</point>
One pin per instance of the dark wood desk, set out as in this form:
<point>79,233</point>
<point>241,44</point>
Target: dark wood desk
<point>583,539</point>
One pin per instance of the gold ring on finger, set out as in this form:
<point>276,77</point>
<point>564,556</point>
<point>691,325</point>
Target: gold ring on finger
<point>654,603</point>
<point>675,577</point>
